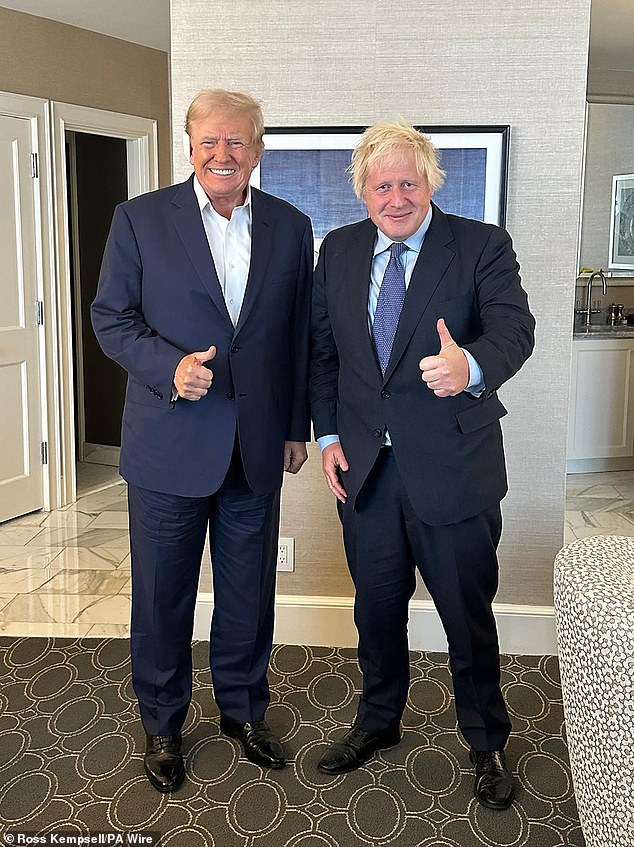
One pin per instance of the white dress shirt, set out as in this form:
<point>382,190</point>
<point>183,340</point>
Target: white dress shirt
<point>230,245</point>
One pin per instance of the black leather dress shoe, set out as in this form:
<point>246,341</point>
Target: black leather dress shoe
<point>261,745</point>
<point>163,762</point>
<point>493,786</point>
<point>356,747</point>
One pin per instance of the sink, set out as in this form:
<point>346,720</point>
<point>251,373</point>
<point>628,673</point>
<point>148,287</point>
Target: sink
<point>605,330</point>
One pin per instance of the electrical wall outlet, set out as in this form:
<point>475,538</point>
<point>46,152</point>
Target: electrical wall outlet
<point>286,554</point>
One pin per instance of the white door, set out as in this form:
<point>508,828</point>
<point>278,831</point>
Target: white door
<point>21,488</point>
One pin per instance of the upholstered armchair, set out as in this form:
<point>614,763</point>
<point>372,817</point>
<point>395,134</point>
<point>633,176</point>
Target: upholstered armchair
<point>594,608</point>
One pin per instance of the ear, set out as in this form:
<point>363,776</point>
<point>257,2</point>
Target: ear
<point>187,146</point>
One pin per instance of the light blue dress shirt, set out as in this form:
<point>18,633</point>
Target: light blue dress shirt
<point>409,258</point>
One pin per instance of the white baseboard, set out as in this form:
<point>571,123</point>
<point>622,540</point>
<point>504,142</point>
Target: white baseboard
<point>622,463</point>
<point>328,622</point>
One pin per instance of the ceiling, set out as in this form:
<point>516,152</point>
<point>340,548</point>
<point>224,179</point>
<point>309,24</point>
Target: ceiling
<point>142,21</point>
<point>147,22</point>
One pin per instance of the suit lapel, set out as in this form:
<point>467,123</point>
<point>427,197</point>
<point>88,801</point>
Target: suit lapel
<point>262,235</point>
<point>357,281</point>
<point>189,225</point>
<point>433,260</point>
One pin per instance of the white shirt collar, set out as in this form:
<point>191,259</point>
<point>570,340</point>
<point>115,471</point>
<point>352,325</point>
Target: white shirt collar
<point>204,201</point>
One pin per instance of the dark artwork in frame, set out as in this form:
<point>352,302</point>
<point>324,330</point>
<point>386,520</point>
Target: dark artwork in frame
<point>622,223</point>
<point>308,167</point>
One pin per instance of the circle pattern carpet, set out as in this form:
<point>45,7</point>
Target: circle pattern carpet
<point>71,756</point>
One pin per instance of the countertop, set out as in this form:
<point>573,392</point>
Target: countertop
<point>604,331</point>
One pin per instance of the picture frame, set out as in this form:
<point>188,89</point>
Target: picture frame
<point>621,256</point>
<point>308,167</point>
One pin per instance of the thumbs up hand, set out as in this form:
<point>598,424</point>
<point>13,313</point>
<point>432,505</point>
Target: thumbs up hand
<point>447,373</point>
<point>207,355</point>
<point>192,379</point>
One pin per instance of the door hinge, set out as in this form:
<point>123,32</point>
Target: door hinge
<point>44,452</point>
<point>39,312</point>
<point>34,166</point>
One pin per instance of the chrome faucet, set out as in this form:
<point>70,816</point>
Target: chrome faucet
<point>588,310</point>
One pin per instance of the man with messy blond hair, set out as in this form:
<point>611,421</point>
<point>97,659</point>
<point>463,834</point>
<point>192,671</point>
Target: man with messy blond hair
<point>418,318</point>
<point>392,138</point>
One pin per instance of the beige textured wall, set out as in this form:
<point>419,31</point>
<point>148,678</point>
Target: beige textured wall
<point>610,151</point>
<point>521,62</point>
<point>55,61</point>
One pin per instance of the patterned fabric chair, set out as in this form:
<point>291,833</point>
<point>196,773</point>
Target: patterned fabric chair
<point>594,610</point>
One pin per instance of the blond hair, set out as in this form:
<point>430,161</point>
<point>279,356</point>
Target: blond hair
<point>392,138</point>
<point>217,99</point>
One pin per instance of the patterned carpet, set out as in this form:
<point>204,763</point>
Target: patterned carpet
<point>71,750</point>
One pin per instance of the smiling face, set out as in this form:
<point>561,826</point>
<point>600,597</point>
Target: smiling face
<point>224,155</point>
<point>396,195</point>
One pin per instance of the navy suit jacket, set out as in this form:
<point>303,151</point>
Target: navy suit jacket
<point>449,450</point>
<point>159,299</point>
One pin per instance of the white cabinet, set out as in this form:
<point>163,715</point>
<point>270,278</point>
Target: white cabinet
<point>601,421</point>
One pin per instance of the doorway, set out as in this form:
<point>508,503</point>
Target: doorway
<point>97,180</point>
<point>99,159</point>
<point>600,457</point>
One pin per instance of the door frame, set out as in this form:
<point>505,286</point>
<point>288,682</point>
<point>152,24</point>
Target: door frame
<point>142,149</point>
<point>35,109</point>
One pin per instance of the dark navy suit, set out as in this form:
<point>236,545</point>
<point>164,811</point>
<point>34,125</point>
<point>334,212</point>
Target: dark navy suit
<point>432,501</point>
<point>217,461</point>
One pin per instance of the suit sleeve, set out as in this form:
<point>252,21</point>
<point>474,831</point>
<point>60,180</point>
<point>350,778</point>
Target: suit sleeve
<point>507,337</point>
<point>324,368</point>
<point>117,313</point>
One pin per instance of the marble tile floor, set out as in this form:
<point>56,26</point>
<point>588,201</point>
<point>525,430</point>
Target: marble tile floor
<point>67,573</point>
<point>92,477</point>
<point>599,504</point>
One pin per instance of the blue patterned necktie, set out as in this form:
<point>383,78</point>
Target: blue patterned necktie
<point>389,304</point>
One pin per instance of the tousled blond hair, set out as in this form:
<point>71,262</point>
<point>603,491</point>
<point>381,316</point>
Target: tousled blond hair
<point>390,139</point>
<point>233,102</point>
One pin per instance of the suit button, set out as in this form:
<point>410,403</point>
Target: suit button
<point>378,433</point>
<point>235,348</point>
<point>230,395</point>
<point>385,394</point>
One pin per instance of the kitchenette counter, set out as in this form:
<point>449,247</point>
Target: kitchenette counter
<point>604,331</point>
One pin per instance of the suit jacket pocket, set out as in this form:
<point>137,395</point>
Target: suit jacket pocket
<point>144,395</point>
<point>482,414</point>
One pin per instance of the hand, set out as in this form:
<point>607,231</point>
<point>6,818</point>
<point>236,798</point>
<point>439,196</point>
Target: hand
<point>333,458</point>
<point>295,455</point>
<point>447,374</point>
<point>192,379</point>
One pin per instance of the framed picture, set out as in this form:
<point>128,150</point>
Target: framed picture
<point>308,167</point>
<point>622,223</point>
